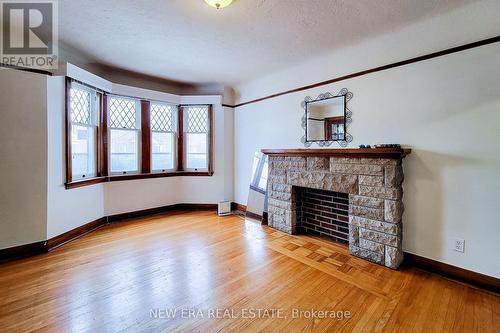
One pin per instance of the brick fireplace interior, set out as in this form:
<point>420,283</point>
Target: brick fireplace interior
<point>323,213</point>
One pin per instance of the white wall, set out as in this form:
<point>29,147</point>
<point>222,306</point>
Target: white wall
<point>23,161</point>
<point>448,111</point>
<point>466,24</point>
<point>126,196</point>
<point>66,209</point>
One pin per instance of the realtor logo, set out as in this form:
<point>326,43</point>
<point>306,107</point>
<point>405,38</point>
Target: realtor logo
<point>29,34</point>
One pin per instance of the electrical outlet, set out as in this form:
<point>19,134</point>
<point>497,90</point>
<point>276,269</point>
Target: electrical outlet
<point>459,245</point>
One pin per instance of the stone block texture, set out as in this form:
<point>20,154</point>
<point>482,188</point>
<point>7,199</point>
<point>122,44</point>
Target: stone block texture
<point>374,188</point>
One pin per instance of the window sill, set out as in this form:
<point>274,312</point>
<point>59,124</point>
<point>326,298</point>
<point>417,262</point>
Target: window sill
<point>85,182</point>
<point>159,175</point>
<point>114,178</point>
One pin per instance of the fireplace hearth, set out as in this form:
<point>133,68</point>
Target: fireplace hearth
<point>370,180</point>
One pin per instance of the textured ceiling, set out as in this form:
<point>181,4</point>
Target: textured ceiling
<point>188,41</point>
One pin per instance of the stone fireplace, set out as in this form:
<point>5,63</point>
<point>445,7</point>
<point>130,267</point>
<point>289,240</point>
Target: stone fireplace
<point>371,179</point>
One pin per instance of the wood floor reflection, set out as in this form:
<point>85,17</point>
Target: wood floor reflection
<point>127,277</point>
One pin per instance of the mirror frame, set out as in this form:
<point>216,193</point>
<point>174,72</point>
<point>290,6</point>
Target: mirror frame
<point>347,114</point>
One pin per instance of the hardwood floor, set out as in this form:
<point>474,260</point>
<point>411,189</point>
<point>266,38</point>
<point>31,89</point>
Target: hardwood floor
<point>120,276</point>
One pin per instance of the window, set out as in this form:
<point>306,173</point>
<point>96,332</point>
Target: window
<point>83,115</point>
<point>163,136</point>
<point>124,125</point>
<point>196,136</point>
<point>115,138</point>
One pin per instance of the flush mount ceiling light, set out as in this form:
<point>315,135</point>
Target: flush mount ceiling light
<point>219,3</point>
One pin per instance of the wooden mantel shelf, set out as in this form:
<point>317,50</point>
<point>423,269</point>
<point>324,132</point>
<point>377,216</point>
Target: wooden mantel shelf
<point>342,152</point>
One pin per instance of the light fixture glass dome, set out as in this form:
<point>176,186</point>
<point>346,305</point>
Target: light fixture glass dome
<point>219,3</point>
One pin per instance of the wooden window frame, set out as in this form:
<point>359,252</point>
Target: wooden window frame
<point>139,146</point>
<point>98,178</point>
<point>102,144</point>
<point>175,150</point>
<point>181,149</point>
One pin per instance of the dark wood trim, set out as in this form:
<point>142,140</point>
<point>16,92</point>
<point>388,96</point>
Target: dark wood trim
<point>160,210</point>
<point>67,130</point>
<point>102,145</point>
<point>238,207</point>
<point>26,69</point>
<point>159,175</point>
<point>86,182</point>
<point>241,210</point>
<point>377,69</point>
<point>456,273</point>
<point>253,216</point>
<point>145,136</point>
<point>342,152</point>
<point>99,138</point>
<point>22,251</point>
<point>28,250</point>
<point>181,142</point>
<point>116,178</point>
<point>104,168</point>
<point>210,166</point>
<point>180,138</point>
<point>75,233</point>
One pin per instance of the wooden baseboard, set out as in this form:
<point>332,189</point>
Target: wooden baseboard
<point>75,233</point>
<point>159,210</point>
<point>254,216</point>
<point>456,273</point>
<point>22,251</point>
<point>238,207</point>
<point>28,250</point>
<point>242,210</point>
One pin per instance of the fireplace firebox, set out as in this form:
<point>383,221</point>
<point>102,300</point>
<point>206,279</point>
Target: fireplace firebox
<point>323,213</point>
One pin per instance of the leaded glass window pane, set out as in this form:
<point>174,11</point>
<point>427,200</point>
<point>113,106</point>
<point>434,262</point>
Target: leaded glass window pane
<point>123,113</point>
<point>162,117</point>
<point>197,119</point>
<point>81,106</point>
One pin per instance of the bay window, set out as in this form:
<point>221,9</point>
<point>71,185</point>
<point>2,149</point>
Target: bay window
<point>115,138</point>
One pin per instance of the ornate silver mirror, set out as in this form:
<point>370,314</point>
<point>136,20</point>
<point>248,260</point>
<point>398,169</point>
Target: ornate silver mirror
<point>326,119</point>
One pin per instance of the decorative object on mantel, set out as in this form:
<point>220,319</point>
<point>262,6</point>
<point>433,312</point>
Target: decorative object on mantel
<point>387,145</point>
<point>370,178</point>
<point>326,119</point>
